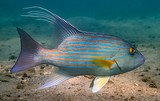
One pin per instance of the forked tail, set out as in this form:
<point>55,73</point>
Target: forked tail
<point>28,56</point>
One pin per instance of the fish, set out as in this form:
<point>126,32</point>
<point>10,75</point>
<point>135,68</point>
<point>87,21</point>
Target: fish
<point>76,52</point>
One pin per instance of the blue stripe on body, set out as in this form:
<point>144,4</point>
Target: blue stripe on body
<point>92,45</point>
<point>97,52</point>
<point>80,42</point>
<point>88,43</point>
<point>78,56</point>
<point>84,51</point>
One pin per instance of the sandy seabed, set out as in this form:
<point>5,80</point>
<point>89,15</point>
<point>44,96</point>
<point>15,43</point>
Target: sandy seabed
<point>142,84</point>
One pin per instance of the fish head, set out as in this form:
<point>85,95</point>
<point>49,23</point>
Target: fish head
<point>128,58</point>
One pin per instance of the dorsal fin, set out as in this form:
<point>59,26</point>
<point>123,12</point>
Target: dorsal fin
<point>63,28</point>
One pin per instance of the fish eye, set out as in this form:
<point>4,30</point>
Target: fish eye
<point>132,50</point>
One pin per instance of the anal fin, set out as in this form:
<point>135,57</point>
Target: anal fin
<point>54,80</point>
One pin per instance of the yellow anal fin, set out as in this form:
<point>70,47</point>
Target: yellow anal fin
<point>99,82</point>
<point>103,63</point>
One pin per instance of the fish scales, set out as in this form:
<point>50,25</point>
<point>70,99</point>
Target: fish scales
<point>81,57</point>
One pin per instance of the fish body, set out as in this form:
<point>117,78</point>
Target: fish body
<point>77,53</point>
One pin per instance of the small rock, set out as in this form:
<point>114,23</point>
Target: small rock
<point>25,75</point>
<point>19,75</point>
<point>152,85</point>
<point>158,69</point>
<point>4,81</point>
<point>7,70</point>
<point>19,96</point>
<point>32,70</point>
<point>149,67</point>
<point>144,79</point>
<point>2,65</point>
<point>141,75</point>
<point>42,66</point>
<point>23,81</point>
<point>46,73</point>
<point>136,84</point>
<point>132,98</point>
<point>9,75</point>
<point>145,70</point>
<point>12,57</point>
<point>8,95</point>
<point>20,86</point>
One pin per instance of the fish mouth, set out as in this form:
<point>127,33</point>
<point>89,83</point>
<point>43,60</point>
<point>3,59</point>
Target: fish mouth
<point>118,65</point>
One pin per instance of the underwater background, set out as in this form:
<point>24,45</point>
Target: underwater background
<point>137,21</point>
<point>131,20</point>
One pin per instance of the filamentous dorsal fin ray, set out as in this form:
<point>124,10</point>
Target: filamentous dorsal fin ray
<point>63,28</point>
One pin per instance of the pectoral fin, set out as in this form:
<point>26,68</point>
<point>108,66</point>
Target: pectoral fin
<point>99,82</point>
<point>103,63</point>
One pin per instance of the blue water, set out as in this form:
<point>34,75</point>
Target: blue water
<point>135,21</point>
<point>91,8</point>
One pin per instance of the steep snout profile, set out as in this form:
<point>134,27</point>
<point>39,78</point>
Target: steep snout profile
<point>76,52</point>
<point>129,59</point>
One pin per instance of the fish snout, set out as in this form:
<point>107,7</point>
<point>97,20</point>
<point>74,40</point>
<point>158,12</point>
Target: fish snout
<point>141,60</point>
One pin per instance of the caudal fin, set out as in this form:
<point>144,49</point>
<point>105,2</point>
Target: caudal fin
<point>28,56</point>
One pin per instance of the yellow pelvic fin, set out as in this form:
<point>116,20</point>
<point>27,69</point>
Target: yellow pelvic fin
<point>99,82</point>
<point>103,63</point>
